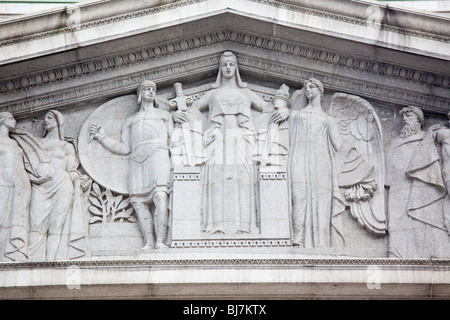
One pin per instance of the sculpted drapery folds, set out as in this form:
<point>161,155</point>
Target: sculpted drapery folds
<point>145,139</point>
<point>326,155</point>
<point>221,141</point>
<point>417,224</point>
<point>229,193</point>
<point>15,193</point>
<point>442,137</point>
<point>57,216</point>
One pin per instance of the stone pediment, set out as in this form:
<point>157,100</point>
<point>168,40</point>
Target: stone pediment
<point>75,57</point>
<point>92,62</point>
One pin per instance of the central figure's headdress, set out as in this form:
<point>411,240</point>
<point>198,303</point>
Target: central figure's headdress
<point>229,56</point>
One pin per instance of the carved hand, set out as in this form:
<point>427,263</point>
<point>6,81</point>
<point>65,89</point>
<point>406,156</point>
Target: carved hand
<point>85,182</point>
<point>180,117</point>
<point>279,115</point>
<point>39,180</point>
<point>97,132</point>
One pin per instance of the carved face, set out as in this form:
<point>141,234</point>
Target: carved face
<point>50,122</point>
<point>148,94</point>
<point>10,122</point>
<point>411,124</point>
<point>228,68</point>
<point>410,117</point>
<point>311,90</point>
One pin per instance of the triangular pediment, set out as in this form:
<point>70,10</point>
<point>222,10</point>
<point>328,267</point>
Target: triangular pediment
<point>302,191</point>
<point>80,56</point>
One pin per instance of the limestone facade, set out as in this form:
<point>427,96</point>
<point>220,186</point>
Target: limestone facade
<point>291,144</point>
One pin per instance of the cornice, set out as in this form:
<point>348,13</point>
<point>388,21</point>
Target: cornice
<point>99,22</point>
<point>355,21</point>
<point>272,3</point>
<point>115,86</point>
<point>336,82</point>
<point>232,35</point>
<point>83,72</point>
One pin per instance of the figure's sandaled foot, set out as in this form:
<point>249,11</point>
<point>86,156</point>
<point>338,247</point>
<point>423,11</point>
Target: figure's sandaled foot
<point>160,245</point>
<point>148,246</point>
<point>298,240</point>
<point>297,243</point>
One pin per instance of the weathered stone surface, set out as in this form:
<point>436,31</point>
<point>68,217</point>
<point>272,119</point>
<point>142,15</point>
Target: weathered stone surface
<point>274,134</point>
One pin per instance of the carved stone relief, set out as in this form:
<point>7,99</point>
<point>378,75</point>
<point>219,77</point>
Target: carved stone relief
<point>225,168</point>
<point>418,201</point>
<point>15,194</point>
<point>57,205</point>
<point>145,140</point>
<point>334,161</point>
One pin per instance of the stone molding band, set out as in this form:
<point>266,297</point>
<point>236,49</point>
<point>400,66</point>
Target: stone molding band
<point>278,4</point>
<point>231,262</point>
<point>129,82</point>
<point>219,36</point>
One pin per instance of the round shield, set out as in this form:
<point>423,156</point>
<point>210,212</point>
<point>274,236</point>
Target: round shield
<point>104,167</point>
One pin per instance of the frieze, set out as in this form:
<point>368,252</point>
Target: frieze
<point>291,160</point>
<point>230,168</point>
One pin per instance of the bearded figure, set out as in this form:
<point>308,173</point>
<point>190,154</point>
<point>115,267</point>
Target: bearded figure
<point>416,190</point>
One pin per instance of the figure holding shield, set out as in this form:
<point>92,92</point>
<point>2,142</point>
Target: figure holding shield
<point>145,139</point>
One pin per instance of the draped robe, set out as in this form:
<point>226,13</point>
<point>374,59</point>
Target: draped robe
<point>229,177</point>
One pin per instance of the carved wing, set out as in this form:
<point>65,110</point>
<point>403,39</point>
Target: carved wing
<point>362,171</point>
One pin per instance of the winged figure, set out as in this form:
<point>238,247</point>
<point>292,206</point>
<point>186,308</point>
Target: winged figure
<point>335,161</point>
<point>362,172</point>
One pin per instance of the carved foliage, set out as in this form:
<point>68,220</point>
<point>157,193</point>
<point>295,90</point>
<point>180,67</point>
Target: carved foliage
<point>105,207</point>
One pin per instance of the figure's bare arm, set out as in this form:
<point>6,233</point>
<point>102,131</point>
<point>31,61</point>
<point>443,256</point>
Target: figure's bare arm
<point>202,104</point>
<point>117,147</point>
<point>40,180</point>
<point>259,104</point>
